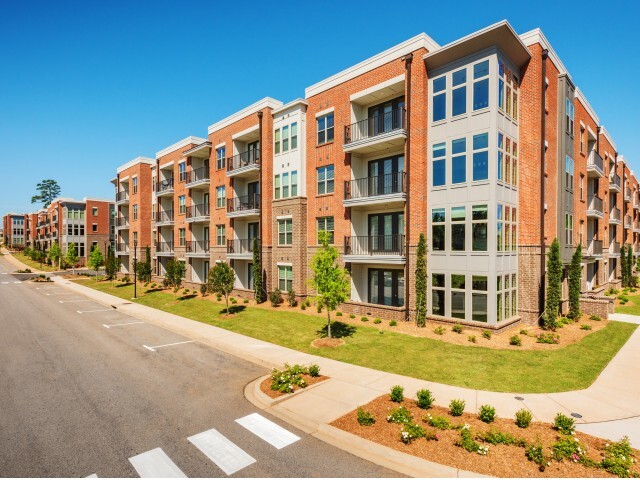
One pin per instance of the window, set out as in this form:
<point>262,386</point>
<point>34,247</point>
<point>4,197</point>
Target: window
<point>479,228</point>
<point>220,157</point>
<point>221,235</point>
<point>81,249</point>
<point>457,296</point>
<point>326,224</point>
<point>182,204</point>
<point>568,229</point>
<point>276,147</point>
<point>459,93</point>
<point>135,212</point>
<point>479,298</point>
<point>569,116</point>
<point>221,193</point>
<point>459,161</point>
<point>69,229</point>
<point>386,287</point>
<point>499,295</point>
<point>501,81</point>
<point>514,164</point>
<point>507,228</point>
<point>457,229</point>
<point>581,187</point>
<point>285,185</point>
<point>581,140</point>
<point>438,293</point>
<point>439,98</point>
<point>294,183</point>
<point>325,128</point>
<point>500,154</point>
<point>481,85</point>
<point>182,171</point>
<point>135,237</point>
<point>95,211</point>
<point>568,161</point>
<point>276,187</point>
<point>181,237</point>
<point>439,164</point>
<point>294,135</point>
<point>285,278</point>
<point>481,157</point>
<point>500,227</point>
<point>438,217</point>
<point>285,232</point>
<point>94,227</point>
<point>325,180</point>
<point>285,138</point>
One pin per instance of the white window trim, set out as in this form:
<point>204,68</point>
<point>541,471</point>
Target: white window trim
<point>324,112</point>
<point>284,217</point>
<point>284,264</point>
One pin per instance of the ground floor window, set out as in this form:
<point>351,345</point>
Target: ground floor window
<point>386,287</point>
<point>285,278</point>
<point>250,276</point>
<point>507,296</point>
<point>458,285</point>
<point>438,294</point>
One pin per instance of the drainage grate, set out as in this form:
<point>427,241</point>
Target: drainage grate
<point>576,415</point>
<point>519,398</point>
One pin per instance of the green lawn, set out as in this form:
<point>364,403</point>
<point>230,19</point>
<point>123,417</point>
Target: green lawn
<point>569,368</point>
<point>33,265</point>
<point>633,307</point>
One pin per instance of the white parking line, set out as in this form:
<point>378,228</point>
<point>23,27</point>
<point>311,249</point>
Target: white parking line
<point>74,301</point>
<point>93,475</point>
<point>222,451</point>
<point>49,294</point>
<point>267,430</point>
<point>5,283</point>
<point>99,310</point>
<point>17,282</point>
<point>120,324</point>
<point>156,464</point>
<point>153,349</point>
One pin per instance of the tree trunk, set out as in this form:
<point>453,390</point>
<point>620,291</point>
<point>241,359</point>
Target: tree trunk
<point>328,323</point>
<point>226,300</point>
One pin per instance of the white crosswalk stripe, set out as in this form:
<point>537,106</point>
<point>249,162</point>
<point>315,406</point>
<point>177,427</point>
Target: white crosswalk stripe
<point>156,464</point>
<point>223,452</point>
<point>267,430</point>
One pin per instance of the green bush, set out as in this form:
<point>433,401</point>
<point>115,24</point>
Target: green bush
<point>469,444</point>
<point>319,308</point>
<point>472,338</point>
<point>595,318</point>
<point>486,334</point>
<point>365,418</point>
<point>393,323</point>
<point>564,424</point>
<point>275,297</point>
<point>303,307</point>
<point>585,326</point>
<point>618,458</point>
<point>425,398</point>
<point>495,437</point>
<point>246,300</point>
<point>203,289</point>
<point>457,328</point>
<point>535,453</point>
<point>397,394</point>
<point>487,413</point>
<point>523,418</point>
<point>233,301</point>
<point>338,314</point>
<point>410,432</point>
<point>291,298</point>
<point>456,407</point>
<point>287,379</point>
<point>439,330</point>
<point>399,415</point>
<point>377,321</point>
<point>364,319</point>
<point>566,447</point>
<point>551,338</point>
<point>314,370</point>
<point>515,341</point>
<point>441,423</point>
<point>524,332</point>
<point>352,316</point>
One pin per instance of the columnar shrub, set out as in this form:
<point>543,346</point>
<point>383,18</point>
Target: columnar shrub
<point>456,407</point>
<point>487,413</point>
<point>623,266</point>
<point>575,277</point>
<point>397,394</point>
<point>425,398</point>
<point>523,418</point>
<point>421,282</point>
<point>554,287</point>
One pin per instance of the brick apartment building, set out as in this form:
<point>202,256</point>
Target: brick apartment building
<point>14,227</point>
<point>421,138</point>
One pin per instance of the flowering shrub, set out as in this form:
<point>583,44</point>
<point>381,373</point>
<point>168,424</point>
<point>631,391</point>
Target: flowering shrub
<point>399,415</point>
<point>410,432</point>
<point>567,447</point>
<point>425,398</point>
<point>487,413</point>
<point>365,418</point>
<point>523,418</point>
<point>548,338</point>
<point>290,377</point>
<point>456,407</point>
<point>564,424</point>
<point>441,423</point>
<point>495,437</point>
<point>535,453</point>
<point>469,444</point>
<point>397,394</point>
<point>618,458</point>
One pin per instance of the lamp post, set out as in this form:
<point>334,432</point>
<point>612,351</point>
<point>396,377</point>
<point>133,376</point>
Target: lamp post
<point>135,270</point>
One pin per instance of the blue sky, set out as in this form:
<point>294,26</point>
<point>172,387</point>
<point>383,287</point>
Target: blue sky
<point>86,86</point>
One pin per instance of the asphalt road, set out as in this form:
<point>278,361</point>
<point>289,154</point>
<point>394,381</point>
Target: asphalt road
<point>77,398</point>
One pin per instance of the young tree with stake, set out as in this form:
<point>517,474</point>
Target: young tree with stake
<point>221,280</point>
<point>96,260</point>
<point>72,256</point>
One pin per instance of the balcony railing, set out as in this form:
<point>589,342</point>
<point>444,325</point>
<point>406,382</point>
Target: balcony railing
<point>122,222</point>
<point>122,195</point>
<point>614,214</point>
<point>164,247</point>
<point>374,245</point>
<point>165,216</point>
<point>594,248</point>
<point>244,159</point>
<point>199,175</point>
<point>199,210</point>
<point>595,162</point>
<point>375,186</point>
<point>628,223</point>
<point>241,246</point>
<point>627,195</point>
<point>197,246</point>
<point>614,180</point>
<point>614,248</point>
<point>595,204</point>
<point>164,186</point>
<point>246,202</point>
<point>122,248</point>
<point>374,126</point>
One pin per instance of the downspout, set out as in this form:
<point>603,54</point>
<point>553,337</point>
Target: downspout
<point>261,184</point>
<point>408,59</point>
<point>543,122</point>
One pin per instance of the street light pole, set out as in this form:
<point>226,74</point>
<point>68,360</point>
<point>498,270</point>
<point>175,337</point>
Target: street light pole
<point>135,270</point>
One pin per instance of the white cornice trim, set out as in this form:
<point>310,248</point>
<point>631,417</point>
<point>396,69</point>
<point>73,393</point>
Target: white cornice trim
<point>91,199</point>
<point>246,131</point>
<point>266,102</point>
<point>606,134</point>
<point>325,111</point>
<point>135,161</point>
<point>582,99</point>
<point>298,102</point>
<point>536,36</point>
<point>181,144</point>
<point>421,40</point>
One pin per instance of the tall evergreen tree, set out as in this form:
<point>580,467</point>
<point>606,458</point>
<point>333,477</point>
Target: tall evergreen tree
<point>575,278</point>
<point>48,190</point>
<point>257,273</point>
<point>554,287</point>
<point>623,265</point>
<point>421,282</point>
<point>630,278</point>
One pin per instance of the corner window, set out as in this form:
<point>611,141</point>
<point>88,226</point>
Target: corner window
<point>569,167</point>
<point>439,164</point>
<point>481,85</point>
<point>459,93</point>
<point>325,179</point>
<point>294,183</point>
<point>438,293</point>
<point>325,128</point>
<point>569,115</point>
<point>439,98</point>
<point>182,171</point>
<point>480,157</point>
<point>479,229</point>
<point>95,211</point>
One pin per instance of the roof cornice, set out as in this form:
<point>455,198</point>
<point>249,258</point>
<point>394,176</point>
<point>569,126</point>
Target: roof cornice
<point>605,133</point>
<point>180,144</point>
<point>266,102</point>
<point>587,106</point>
<point>135,161</point>
<point>536,36</point>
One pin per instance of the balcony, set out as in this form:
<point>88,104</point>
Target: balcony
<point>122,197</point>
<point>383,189</point>
<point>595,165</point>
<point>198,213</point>
<point>614,216</point>
<point>375,249</point>
<point>594,207</point>
<point>375,134</point>
<point>197,248</point>
<point>244,164</point>
<point>245,206</point>
<point>122,249</point>
<point>636,227</point>
<point>164,248</point>
<point>628,223</point>
<point>164,218</point>
<point>241,248</point>
<point>593,249</point>
<point>122,222</point>
<point>614,183</point>
<point>627,195</point>
<point>614,249</point>
<point>164,187</point>
<point>636,203</point>
<point>198,178</point>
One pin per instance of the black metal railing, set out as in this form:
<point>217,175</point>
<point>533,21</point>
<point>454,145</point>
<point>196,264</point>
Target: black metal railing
<point>198,175</point>
<point>241,246</point>
<point>387,184</point>
<point>374,126</point>
<point>374,245</point>
<point>122,195</point>
<point>244,159</point>
<point>246,202</point>
<point>164,247</point>
<point>164,216</point>
<point>199,210</point>
<point>197,246</point>
<point>164,185</point>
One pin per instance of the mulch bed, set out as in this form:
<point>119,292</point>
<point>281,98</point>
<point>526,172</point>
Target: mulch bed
<point>501,461</point>
<point>265,386</point>
<point>327,342</point>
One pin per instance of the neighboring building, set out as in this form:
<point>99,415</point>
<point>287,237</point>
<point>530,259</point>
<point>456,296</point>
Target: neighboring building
<point>14,227</point>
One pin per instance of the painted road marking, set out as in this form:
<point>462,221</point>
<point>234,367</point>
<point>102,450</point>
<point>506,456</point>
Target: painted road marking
<point>49,294</point>
<point>17,282</point>
<point>91,311</point>
<point>267,430</point>
<point>93,475</point>
<point>74,301</point>
<point>120,324</point>
<point>156,464</point>
<point>153,349</point>
<point>223,452</point>
<point>5,283</point>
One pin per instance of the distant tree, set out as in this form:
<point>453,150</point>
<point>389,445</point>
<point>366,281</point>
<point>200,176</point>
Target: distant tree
<point>329,280</point>
<point>575,278</point>
<point>174,274</point>
<point>72,256</point>
<point>221,280</point>
<point>143,269</point>
<point>48,190</point>
<point>623,265</point>
<point>631,279</point>
<point>421,282</point>
<point>257,273</point>
<point>112,265</point>
<point>96,260</point>
<point>554,287</point>
<point>55,254</point>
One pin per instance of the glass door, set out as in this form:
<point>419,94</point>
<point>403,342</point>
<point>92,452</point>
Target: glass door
<point>205,200</point>
<point>253,155</point>
<point>386,116</point>
<point>385,175</point>
<point>385,232</point>
<point>253,189</point>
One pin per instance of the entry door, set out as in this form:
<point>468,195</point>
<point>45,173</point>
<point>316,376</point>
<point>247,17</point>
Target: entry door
<point>253,189</point>
<point>252,233</point>
<point>252,152</point>
<point>385,230</point>
<point>205,200</point>
<point>206,237</point>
